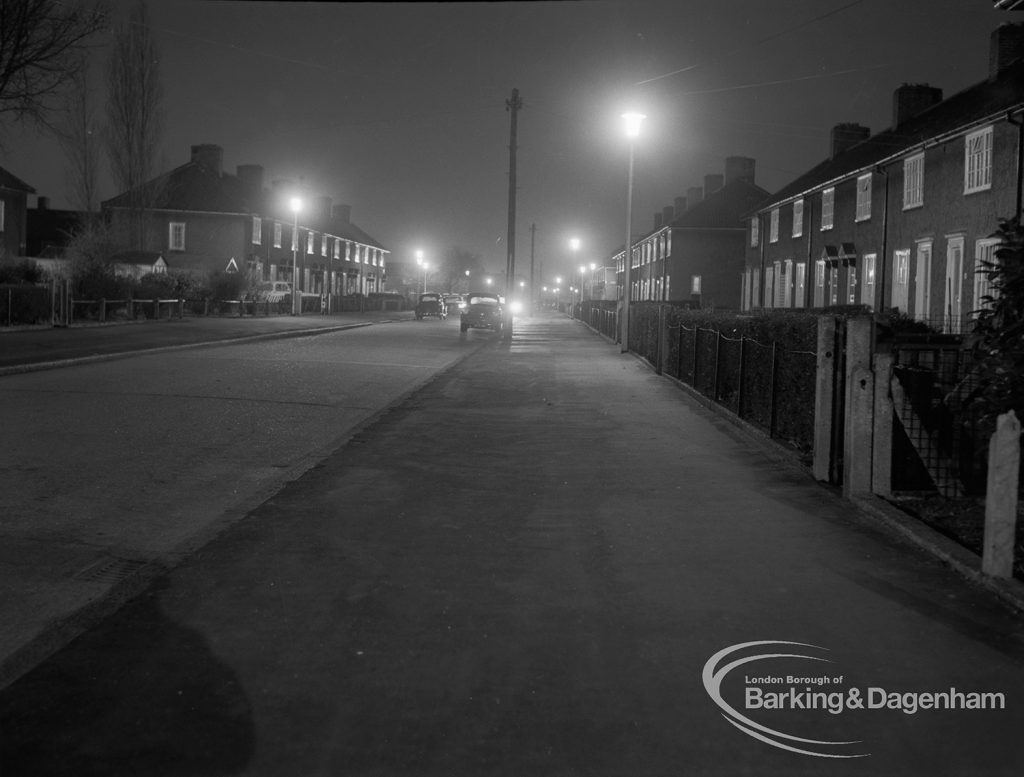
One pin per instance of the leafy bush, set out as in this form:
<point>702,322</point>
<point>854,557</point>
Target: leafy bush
<point>997,335</point>
<point>226,286</point>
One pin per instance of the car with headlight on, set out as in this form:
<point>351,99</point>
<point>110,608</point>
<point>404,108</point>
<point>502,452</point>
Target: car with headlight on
<point>454,302</point>
<point>430,304</point>
<point>483,310</point>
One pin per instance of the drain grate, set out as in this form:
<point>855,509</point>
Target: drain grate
<point>110,570</point>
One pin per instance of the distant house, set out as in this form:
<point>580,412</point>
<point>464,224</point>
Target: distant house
<point>903,218</point>
<point>203,220</point>
<point>695,253</point>
<point>13,207</point>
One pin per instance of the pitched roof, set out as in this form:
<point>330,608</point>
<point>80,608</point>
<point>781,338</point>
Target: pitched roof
<point>723,209</point>
<point>955,114</point>
<point>10,181</point>
<point>193,187</point>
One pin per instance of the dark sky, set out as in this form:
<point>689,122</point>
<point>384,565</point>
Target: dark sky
<point>399,109</point>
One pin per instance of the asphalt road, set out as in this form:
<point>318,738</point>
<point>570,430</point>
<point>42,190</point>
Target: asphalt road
<point>523,568</point>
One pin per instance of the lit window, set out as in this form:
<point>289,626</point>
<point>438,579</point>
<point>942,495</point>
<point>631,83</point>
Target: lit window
<point>753,232</point>
<point>901,279</point>
<point>176,236</point>
<point>323,245</point>
<point>868,277</point>
<point>695,284</point>
<point>773,228</point>
<point>913,182</point>
<point>277,234</point>
<point>310,242</point>
<point>863,198</point>
<point>978,161</point>
<point>798,218</point>
<point>257,231</point>
<point>828,204</point>
<point>337,248</point>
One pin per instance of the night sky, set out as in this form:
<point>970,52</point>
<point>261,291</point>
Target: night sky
<point>399,109</point>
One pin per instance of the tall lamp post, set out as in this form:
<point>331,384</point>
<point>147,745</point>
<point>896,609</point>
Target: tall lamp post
<point>425,266</point>
<point>296,206</point>
<point>574,245</point>
<point>633,122</point>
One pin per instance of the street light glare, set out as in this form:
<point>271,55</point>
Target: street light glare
<point>296,204</point>
<point>633,121</point>
<point>574,244</point>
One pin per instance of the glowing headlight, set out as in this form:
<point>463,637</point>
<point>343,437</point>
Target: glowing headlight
<point>516,307</point>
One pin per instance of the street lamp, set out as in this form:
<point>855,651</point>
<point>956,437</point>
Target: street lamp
<point>633,122</point>
<point>296,206</point>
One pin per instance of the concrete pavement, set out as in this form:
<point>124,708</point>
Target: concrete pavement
<point>656,528</point>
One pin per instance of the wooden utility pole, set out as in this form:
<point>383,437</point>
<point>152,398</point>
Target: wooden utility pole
<point>512,106</point>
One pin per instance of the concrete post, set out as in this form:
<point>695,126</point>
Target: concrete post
<point>860,397</point>
<point>881,456</point>
<point>1001,497</point>
<point>824,399</point>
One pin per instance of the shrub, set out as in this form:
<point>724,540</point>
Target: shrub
<point>25,271</point>
<point>226,286</point>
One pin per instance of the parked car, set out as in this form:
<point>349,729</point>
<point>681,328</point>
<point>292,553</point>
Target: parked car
<point>483,310</point>
<point>430,304</point>
<point>454,302</point>
<point>273,291</point>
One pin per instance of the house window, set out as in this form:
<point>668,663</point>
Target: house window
<point>863,198</point>
<point>310,242</point>
<point>769,286</point>
<point>828,204</point>
<point>913,182</point>
<point>753,232</point>
<point>984,259</point>
<point>923,282</point>
<point>755,288</point>
<point>798,218</point>
<point>176,236</point>
<point>773,229</point>
<point>787,288</point>
<point>901,279</point>
<point>337,248</point>
<point>323,245</point>
<point>978,161</point>
<point>277,234</point>
<point>780,285</point>
<point>819,283</point>
<point>851,285</point>
<point>800,285</point>
<point>257,231</point>
<point>867,292</point>
<point>695,284</point>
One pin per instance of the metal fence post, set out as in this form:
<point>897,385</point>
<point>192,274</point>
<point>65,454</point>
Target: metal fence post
<point>718,355</point>
<point>739,381</point>
<point>696,338</point>
<point>771,389</point>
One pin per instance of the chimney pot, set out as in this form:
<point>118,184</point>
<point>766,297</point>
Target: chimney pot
<point>739,168</point>
<point>911,99</point>
<point>846,136</point>
<point>1006,45</point>
<point>210,156</point>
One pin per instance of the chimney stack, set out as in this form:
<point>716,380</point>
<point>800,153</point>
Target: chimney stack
<point>845,136</point>
<point>911,99</point>
<point>667,214</point>
<point>739,168</point>
<point>210,156</point>
<point>712,183</point>
<point>1006,46</point>
<point>657,221</point>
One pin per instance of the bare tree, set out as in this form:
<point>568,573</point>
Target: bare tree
<point>40,45</point>
<point>134,117</point>
<point>80,138</point>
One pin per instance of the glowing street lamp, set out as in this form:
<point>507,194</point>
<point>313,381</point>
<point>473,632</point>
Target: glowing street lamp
<point>633,122</point>
<point>296,205</point>
<point>425,266</point>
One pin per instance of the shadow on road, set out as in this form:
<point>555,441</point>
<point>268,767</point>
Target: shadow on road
<point>180,711</point>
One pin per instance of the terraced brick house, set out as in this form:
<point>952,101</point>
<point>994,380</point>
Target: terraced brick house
<point>203,219</point>
<point>903,218</point>
<point>695,251</point>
